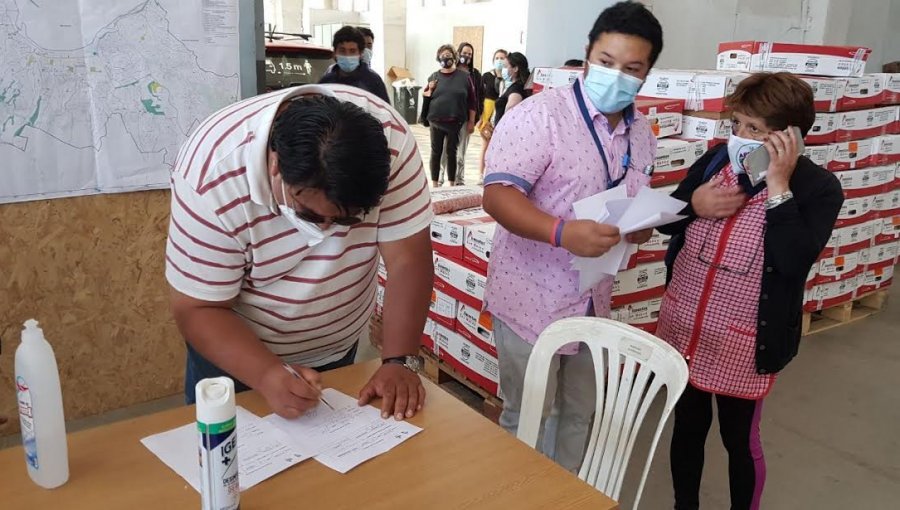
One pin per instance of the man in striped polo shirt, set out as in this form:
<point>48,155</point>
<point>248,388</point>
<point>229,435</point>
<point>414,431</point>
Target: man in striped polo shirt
<point>281,205</point>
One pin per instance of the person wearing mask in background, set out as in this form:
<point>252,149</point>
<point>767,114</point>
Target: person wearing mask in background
<point>738,265</point>
<point>369,37</point>
<point>492,84</point>
<point>349,44</point>
<point>515,74</point>
<point>448,107</point>
<point>559,147</point>
<point>466,54</point>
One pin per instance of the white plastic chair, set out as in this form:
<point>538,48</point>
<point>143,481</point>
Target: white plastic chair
<point>631,366</point>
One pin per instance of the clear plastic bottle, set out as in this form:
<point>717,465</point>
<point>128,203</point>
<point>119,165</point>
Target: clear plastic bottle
<point>41,409</point>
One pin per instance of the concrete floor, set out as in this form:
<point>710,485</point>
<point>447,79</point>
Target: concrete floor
<point>830,425</point>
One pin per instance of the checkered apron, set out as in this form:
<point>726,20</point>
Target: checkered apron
<point>709,311</point>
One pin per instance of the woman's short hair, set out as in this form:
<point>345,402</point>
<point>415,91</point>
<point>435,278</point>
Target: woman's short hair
<point>781,99</point>
<point>446,47</point>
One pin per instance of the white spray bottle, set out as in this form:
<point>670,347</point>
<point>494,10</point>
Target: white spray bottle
<point>41,409</point>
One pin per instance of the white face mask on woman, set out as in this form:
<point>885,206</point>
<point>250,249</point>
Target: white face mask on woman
<point>738,148</point>
<point>310,233</point>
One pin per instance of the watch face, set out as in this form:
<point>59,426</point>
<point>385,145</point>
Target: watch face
<point>415,363</point>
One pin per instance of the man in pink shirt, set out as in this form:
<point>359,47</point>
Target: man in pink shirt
<point>552,150</point>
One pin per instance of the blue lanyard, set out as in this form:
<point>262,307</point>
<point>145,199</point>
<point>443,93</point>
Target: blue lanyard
<point>626,159</point>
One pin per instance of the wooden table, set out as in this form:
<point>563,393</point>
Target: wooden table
<point>460,460</point>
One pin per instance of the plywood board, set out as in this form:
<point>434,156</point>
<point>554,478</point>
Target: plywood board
<point>473,36</point>
<point>91,270</point>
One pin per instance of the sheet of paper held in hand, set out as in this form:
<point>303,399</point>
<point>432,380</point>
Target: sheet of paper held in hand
<point>647,209</point>
<point>341,439</point>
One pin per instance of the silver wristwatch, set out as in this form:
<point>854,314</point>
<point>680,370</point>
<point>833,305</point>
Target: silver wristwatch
<point>414,363</point>
<point>773,202</point>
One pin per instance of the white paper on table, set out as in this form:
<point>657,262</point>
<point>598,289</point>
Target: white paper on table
<point>263,450</point>
<point>648,209</point>
<point>347,436</point>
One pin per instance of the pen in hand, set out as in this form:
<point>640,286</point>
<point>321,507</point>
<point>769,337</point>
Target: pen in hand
<point>294,373</point>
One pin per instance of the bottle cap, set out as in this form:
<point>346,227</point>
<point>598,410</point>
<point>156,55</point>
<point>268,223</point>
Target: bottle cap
<point>32,331</point>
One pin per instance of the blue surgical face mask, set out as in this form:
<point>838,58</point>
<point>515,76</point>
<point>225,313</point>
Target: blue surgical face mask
<point>505,74</point>
<point>367,56</point>
<point>499,64</point>
<point>610,90</point>
<point>738,148</point>
<point>348,64</point>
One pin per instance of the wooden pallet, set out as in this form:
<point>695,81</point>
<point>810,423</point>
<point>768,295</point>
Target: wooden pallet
<point>455,383</point>
<point>844,313</point>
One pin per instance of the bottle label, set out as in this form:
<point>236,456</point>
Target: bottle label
<point>219,485</point>
<point>26,419</point>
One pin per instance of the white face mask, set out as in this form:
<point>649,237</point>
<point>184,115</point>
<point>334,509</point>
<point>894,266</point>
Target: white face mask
<point>738,148</point>
<point>310,233</point>
<point>367,56</point>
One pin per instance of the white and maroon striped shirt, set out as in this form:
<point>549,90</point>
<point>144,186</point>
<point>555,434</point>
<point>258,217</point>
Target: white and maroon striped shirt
<point>227,238</point>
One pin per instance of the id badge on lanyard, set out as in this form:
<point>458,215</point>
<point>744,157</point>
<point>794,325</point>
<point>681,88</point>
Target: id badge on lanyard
<point>610,183</point>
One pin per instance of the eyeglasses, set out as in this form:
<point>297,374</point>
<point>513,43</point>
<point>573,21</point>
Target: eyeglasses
<point>311,216</point>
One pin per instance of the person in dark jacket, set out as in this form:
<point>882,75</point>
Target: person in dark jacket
<point>466,63</point>
<point>515,75</point>
<point>448,107</point>
<point>349,44</point>
<point>733,306</point>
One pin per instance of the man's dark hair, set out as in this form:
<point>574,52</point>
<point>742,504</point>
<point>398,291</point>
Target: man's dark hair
<point>630,18</point>
<point>349,34</point>
<point>574,62</point>
<point>333,146</point>
<point>366,32</point>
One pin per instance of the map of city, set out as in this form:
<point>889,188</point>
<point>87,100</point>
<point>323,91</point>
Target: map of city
<point>110,114</point>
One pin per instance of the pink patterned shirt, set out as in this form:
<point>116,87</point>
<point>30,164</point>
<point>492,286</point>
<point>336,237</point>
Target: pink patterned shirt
<point>544,149</point>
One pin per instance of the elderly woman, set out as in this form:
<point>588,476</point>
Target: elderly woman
<point>738,265</point>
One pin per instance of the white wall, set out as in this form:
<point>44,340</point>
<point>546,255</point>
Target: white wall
<point>558,31</point>
<point>427,28</point>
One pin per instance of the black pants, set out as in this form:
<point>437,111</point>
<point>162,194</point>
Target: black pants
<point>739,426</point>
<point>439,133</point>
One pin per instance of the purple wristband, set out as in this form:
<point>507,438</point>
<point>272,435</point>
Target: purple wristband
<point>557,235</point>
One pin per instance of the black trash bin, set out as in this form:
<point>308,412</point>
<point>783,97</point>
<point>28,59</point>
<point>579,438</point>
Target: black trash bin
<point>406,102</point>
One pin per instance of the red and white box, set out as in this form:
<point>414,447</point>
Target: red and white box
<point>673,159</point>
<point>468,359</point>
<point>813,273</point>
<point>458,281</point>
<point>442,309</point>
<point>862,92</point>
<point>642,315</point>
<point>887,230</point>
<point>866,181</point>
<point>874,279</point>
<point>887,204</point>
<point>820,154</point>
<point>890,84</point>
<point>699,125</point>
<point>823,130</point>
<point>478,245</point>
<point>882,255</point>
<point>477,327</point>
<point>654,250</point>
<point>839,267</point>
<point>428,336</point>
<point>379,299</point>
<point>869,123</point>
<point>668,84</point>
<point>448,231</point>
<point>812,59</point>
<point>829,294</point>
<point>851,238</point>
<point>887,149</point>
<point>827,92</point>
<point>857,210</point>
<point>851,155</point>
<point>711,89</point>
<point>546,78</point>
<point>664,115</point>
<point>646,281</point>
<point>382,272</point>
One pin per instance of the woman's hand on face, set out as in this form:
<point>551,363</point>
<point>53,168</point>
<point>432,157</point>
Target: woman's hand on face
<point>783,154</point>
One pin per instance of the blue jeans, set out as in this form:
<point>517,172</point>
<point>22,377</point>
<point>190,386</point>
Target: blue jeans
<point>197,367</point>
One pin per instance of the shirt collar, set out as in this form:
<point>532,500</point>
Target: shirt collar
<point>627,113</point>
<point>258,159</point>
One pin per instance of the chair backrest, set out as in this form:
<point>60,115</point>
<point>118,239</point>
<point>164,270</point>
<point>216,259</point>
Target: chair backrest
<point>631,366</point>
